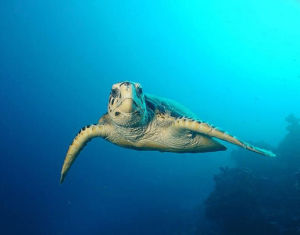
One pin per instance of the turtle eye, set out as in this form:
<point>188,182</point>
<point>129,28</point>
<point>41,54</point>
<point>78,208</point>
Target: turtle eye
<point>114,92</point>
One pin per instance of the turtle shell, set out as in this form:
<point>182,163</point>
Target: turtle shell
<point>162,105</point>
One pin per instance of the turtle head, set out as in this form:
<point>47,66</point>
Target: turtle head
<point>126,106</point>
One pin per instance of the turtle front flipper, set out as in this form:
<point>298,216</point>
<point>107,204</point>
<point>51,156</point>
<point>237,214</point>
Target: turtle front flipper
<point>85,135</point>
<point>209,130</point>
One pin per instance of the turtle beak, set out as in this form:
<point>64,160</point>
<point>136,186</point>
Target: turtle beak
<point>128,106</point>
<point>129,98</point>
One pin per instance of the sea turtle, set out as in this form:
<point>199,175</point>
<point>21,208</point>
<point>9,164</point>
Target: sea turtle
<point>146,122</point>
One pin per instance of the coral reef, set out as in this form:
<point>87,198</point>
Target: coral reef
<point>260,195</point>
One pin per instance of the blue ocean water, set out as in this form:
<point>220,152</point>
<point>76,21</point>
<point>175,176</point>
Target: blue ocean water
<point>234,63</point>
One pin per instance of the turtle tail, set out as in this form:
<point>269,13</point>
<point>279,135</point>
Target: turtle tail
<point>83,137</point>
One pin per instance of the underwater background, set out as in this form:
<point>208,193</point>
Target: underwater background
<point>234,63</point>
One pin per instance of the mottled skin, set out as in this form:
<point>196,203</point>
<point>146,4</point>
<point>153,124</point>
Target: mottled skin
<point>145,122</point>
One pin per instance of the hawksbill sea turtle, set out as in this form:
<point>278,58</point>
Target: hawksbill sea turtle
<point>146,122</point>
